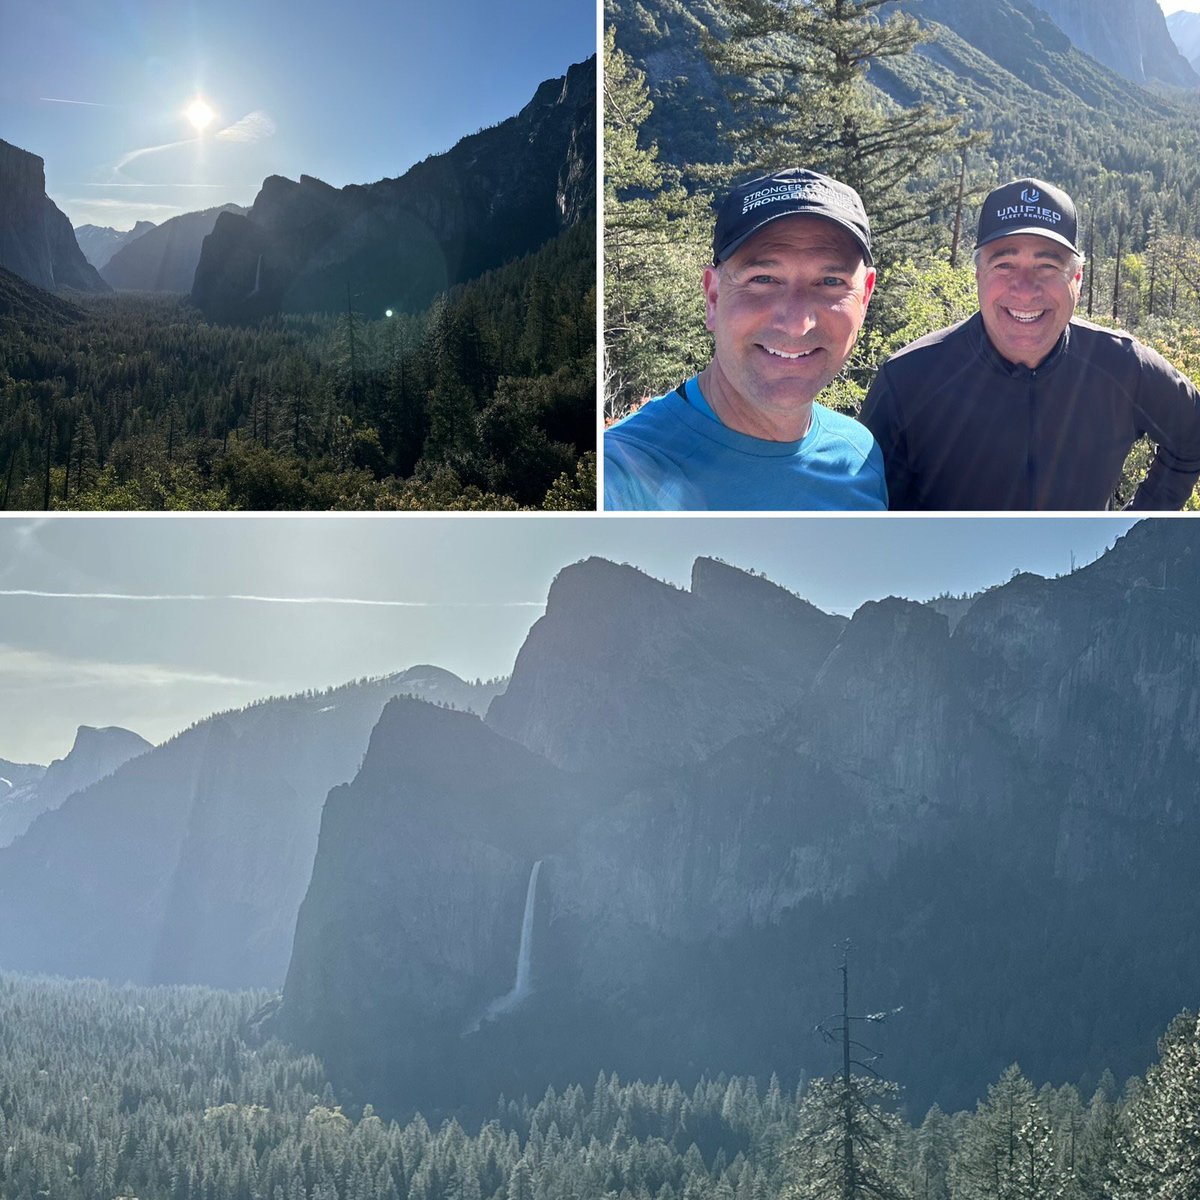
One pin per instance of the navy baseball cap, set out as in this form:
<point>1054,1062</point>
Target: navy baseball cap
<point>1028,206</point>
<point>790,193</point>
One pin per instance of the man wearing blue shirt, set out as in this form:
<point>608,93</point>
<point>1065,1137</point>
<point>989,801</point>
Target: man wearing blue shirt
<point>785,298</point>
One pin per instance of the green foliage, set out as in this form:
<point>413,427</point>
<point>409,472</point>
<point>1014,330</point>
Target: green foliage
<point>171,1094</point>
<point>820,1164</point>
<point>136,402</point>
<point>654,253</point>
<point>796,76</point>
<point>1159,1156</point>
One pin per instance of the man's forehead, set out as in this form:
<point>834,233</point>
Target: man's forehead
<point>1026,243</point>
<point>799,233</point>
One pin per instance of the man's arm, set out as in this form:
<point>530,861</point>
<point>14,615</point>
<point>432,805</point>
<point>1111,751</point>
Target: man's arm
<point>1169,404</point>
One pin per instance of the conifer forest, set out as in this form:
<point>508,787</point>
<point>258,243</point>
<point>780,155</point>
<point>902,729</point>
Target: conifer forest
<point>113,1092</point>
<point>485,400</point>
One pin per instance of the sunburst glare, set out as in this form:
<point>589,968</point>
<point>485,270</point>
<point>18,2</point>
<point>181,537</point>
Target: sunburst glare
<point>200,114</point>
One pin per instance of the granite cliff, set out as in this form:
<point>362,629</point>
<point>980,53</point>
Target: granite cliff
<point>1129,36</point>
<point>36,239</point>
<point>94,754</point>
<point>188,863</point>
<point>163,258</point>
<point>497,194</point>
<point>995,813</point>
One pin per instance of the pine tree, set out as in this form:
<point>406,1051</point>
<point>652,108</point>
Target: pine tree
<point>1159,1157</point>
<point>654,252</point>
<point>1008,1150</point>
<point>795,72</point>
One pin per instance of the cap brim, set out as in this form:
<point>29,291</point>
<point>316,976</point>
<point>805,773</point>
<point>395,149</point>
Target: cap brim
<point>731,247</point>
<point>1036,230</point>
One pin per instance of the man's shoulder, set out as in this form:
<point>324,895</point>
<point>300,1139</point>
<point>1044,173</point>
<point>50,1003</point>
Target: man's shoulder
<point>846,431</point>
<point>1120,352</point>
<point>957,338</point>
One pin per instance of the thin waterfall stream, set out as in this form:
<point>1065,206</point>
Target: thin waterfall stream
<point>521,983</point>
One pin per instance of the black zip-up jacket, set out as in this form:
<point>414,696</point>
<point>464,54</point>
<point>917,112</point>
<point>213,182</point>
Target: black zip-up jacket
<point>962,428</point>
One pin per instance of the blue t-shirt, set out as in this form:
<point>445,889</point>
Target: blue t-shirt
<point>674,453</point>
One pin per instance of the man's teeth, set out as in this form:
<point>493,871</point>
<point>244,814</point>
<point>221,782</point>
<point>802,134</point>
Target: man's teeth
<point>782,354</point>
<point>1017,315</point>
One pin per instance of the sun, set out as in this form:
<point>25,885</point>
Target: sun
<point>200,114</point>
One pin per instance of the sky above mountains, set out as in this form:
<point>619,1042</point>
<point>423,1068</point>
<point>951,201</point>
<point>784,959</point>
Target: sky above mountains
<point>155,623</point>
<point>144,110</point>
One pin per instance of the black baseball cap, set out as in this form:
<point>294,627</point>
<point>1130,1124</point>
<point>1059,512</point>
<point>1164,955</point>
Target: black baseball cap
<point>1028,206</point>
<point>794,192</point>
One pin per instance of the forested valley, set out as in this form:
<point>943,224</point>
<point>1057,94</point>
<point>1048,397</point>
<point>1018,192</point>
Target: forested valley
<point>171,1094</point>
<point>483,401</point>
<point>923,117</point>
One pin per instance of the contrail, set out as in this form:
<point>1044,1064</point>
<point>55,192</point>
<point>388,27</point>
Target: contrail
<point>193,597</point>
<point>133,154</point>
<point>88,103</point>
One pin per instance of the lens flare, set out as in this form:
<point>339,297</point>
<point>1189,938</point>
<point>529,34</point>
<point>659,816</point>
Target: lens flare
<point>200,114</point>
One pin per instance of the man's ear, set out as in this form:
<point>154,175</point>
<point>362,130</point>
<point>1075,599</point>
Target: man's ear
<point>868,286</point>
<point>711,279</point>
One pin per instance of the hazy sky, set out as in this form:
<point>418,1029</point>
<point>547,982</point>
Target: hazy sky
<point>460,593</point>
<point>1170,6</point>
<point>348,92</point>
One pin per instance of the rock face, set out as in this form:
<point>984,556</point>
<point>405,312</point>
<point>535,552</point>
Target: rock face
<point>100,242</point>
<point>164,258</point>
<point>1130,36</point>
<point>188,863</point>
<point>623,672</point>
<point>36,239</point>
<point>95,754</point>
<point>459,814</point>
<point>995,814</point>
<point>1184,28</point>
<point>395,244</point>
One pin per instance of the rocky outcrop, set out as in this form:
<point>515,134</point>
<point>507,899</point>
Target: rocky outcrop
<point>164,258</point>
<point>995,814</point>
<point>36,239</point>
<point>1184,28</point>
<point>1129,36</point>
<point>188,863</point>
<point>622,671</point>
<point>100,242</point>
<point>395,244</point>
<point>95,754</point>
<point>458,815</point>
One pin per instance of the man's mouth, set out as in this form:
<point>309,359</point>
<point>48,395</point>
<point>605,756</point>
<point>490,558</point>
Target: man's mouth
<point>1025,317</point>
<point>790,356</point>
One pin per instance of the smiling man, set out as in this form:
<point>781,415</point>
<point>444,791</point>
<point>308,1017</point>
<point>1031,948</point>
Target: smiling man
<point>785,298</point>
<point>1024,406</point>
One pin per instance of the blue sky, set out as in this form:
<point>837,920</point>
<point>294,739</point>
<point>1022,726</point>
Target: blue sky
<point>348,92</point>
<point>460,593</point>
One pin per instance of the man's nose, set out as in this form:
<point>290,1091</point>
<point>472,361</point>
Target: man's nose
<point>798,309</point>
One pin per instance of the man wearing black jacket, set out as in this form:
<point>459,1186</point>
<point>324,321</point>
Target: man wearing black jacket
<point>1024,406</point>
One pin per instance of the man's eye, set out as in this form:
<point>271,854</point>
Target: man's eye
<point>762,278</point>
<point>833,281</point>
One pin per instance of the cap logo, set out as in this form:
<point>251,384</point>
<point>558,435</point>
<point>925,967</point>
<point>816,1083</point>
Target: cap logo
<point>813,192</point>
<point>1030,195</point>
<point>1028,212</point>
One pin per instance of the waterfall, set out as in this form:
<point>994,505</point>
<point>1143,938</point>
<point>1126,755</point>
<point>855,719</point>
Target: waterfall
<point>521,986</point>
<point>257,278</point>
